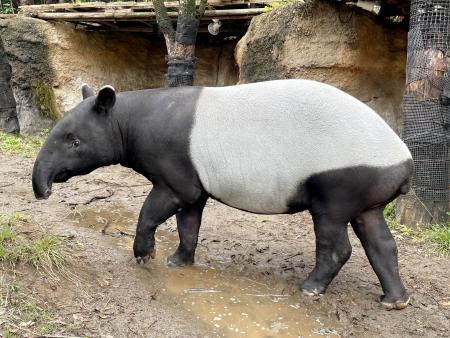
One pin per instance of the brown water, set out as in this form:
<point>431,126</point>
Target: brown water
<point>231,303</point>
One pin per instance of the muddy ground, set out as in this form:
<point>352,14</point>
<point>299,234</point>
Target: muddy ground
<point>114,297</point>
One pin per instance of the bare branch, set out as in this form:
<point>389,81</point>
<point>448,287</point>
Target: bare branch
<point>163,20</point>
<point>201,9</point>
<point>187,8</point>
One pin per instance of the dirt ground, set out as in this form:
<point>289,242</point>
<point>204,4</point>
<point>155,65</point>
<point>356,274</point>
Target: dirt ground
<point>115,297</point>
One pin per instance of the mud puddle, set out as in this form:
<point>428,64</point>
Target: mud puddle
<point>231,303</point>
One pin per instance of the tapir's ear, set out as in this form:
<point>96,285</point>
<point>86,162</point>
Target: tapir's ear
<point>105,100</point>
<point>86,91</point>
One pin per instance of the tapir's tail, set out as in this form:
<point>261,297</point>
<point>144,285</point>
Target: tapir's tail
<point>401,184</point>
<point>405,187</point>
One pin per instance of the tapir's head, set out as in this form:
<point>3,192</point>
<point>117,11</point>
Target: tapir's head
<point>83,140</point>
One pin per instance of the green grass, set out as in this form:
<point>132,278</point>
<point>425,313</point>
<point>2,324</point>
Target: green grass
<point>389,215</point>
<point>278,3</point>
<point>437,235</point>
<point>21,242</point>
<point>9,334</point>
<point>26,314</point>
<point>26,146</point>
<point>7,9</point>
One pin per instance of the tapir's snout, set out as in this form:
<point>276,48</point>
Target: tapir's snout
<point>44,196</point>
<point>41,180</point>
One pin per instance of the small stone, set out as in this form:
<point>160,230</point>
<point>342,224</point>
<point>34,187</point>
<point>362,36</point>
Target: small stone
<point>261,247</point>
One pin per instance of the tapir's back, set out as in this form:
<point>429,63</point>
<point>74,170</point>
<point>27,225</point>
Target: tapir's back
<point>253,145</point>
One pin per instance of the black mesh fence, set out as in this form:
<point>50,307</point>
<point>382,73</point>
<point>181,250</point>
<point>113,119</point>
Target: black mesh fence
<point>427,101</point>
<point>180,72</point>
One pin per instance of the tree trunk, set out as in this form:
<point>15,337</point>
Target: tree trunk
<point>8,114</point>
<point>180,42</point>
<point>426,107</point>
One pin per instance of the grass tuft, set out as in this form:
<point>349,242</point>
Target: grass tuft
<point>26,146</point>
<point>20,243</point>
<point>438,234</point>
<point>389,215</point>
<point>26,314</point>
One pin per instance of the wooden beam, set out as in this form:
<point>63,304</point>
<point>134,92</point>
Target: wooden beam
<point>131,29</point>
<point>96,25</point>
<point>130,5</point>
<point>146,23</point>
<point>150,30</point>
<point>109,24</point>
<point>118,15</point>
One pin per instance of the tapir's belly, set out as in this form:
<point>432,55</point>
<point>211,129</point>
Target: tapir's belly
<point>254,145</point>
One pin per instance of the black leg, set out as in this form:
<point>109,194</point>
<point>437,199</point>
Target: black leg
<point>188,223</point>
<point>381,250</point>
<point>160,204</point>
<point>333,249</point>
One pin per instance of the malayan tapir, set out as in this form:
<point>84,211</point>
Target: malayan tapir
<point>276,147</point>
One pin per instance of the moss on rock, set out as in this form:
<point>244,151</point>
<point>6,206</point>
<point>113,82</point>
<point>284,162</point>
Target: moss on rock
<point>45,99</point>
<point>265,39</point>
<point>309,40</point>
<point>27,42</point>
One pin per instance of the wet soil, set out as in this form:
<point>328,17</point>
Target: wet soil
<point>244,282</point>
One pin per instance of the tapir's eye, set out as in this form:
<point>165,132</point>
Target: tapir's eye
<point>76,143</point>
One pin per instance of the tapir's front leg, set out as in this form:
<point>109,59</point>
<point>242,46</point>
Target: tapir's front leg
<point>160,204</point>
<point>188,224</point>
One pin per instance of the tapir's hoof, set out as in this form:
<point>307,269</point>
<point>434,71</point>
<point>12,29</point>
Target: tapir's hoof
<point>146,258</point>
<point>397,305</point>
<point>178,261</point>
<point>312,288</point>
<point>312,293</point>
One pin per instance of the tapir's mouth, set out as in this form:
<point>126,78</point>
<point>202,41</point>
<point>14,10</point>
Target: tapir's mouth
<point>62,176</point>
<point>43,191</point>
<point>45,195</point>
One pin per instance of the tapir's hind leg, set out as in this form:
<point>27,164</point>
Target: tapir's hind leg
<point>371,228</point>
<point>333,249</point>
<point>188,224</point>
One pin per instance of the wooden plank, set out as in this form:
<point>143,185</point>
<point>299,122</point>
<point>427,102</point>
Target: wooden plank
<point>131,29</point>
<point>235,30</point>
<point>122,5</point>
<point>126,15</point>
<point>146,23</point>
<point>109,24</point>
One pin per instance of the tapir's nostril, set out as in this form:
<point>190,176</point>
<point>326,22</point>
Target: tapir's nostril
<point>47,193</point>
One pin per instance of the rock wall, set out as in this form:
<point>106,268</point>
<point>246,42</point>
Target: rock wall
<point>50,62</point>
<point>25,43</point>
<point>8,114</point>
<point>311,41</point>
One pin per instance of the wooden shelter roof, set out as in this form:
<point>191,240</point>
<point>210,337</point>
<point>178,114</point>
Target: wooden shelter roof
<point>235,15</point>
<point>140,16</point>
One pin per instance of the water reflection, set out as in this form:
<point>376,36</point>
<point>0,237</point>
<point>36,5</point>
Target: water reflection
<point>234,305</point>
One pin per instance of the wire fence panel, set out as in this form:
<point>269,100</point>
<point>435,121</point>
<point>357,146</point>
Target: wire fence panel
<point>426,103</point>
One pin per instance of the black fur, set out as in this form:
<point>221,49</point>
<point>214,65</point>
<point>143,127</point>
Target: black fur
<point>344,193</point>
